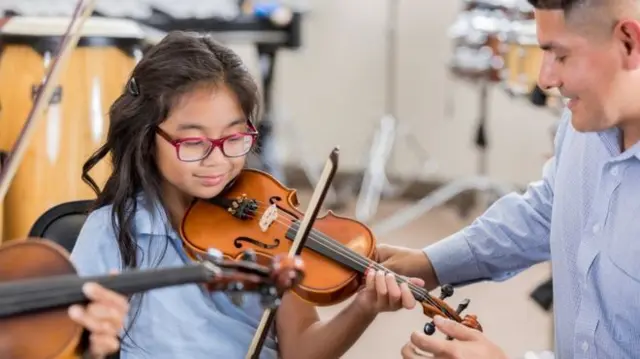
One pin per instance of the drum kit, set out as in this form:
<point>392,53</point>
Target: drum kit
<point>75,122</point>
<point>495,41</point>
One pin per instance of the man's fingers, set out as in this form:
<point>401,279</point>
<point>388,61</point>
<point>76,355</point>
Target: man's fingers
<point>431,345</point>
<point>455,329</point>
<point>409,351</point>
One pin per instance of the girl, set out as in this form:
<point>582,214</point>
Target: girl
<point>180,131</point>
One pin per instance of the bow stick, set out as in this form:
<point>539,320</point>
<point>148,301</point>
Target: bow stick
<point>83,10</point>
<point>319,194</point>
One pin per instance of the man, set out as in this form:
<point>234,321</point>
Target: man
<point>103,317</point>
<point>585,212</point>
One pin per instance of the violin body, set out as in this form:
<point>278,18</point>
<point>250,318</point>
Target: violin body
<point>256,212</point>
<point>38,283</point>
<point>37,335</point>
<point>271,232</point>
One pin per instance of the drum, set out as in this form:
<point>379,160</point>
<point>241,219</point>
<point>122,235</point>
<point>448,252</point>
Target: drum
<point>522,58</point>
<point>476,36</point>
<point>76,121</point>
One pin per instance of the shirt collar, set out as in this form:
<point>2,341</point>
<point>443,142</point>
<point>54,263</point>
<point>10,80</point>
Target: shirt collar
<point>151,218</point>
<point>611,139</point>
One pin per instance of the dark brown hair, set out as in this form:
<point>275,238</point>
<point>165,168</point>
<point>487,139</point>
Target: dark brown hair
<point>180,62</point>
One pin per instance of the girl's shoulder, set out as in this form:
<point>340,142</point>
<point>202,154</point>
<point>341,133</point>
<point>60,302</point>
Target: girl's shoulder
<point>144,217</point>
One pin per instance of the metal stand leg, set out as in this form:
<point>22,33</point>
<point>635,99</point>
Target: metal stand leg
<point>266,146</point>
<point>375,183</point>
<point>479,183</point>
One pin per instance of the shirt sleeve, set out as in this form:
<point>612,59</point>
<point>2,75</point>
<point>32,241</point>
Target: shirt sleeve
<point>510,236</point>
<point>96,250</point>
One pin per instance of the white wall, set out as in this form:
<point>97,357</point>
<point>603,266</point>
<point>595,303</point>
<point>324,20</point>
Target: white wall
<point>333,90</point>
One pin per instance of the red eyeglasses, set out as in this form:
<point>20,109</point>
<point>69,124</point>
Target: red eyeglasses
<point>192,149</point>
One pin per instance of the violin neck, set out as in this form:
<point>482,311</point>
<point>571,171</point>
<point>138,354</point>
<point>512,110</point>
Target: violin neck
<point>30,295</point>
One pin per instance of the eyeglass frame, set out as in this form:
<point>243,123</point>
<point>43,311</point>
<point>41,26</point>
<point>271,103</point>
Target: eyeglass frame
<point>215,142</point>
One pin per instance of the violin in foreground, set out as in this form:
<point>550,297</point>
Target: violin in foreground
<point>38,283</point>
<point>259,213</point>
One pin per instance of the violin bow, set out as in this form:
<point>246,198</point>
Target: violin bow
<point>310,215</point>
<point>83,10</point>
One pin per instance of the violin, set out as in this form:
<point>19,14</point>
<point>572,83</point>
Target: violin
<point>257,212</point>
<point>35,294</point>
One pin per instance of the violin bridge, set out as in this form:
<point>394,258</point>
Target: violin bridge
<point>269,216</point>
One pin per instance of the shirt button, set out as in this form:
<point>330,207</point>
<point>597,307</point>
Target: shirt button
<point>596,228</point>
<point>585,346</point>
<point>614,171</point>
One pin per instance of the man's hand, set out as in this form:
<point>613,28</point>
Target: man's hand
<point>103,317</point>
<point>408,262</point>
<point>466,343</point>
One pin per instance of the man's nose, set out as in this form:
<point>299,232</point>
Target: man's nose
<point>548,77</point>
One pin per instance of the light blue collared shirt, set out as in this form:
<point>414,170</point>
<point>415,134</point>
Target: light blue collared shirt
<point>174,322</point>
<point>584,215</point>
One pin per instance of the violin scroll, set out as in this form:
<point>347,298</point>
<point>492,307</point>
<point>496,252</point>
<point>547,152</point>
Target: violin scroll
<point>245,275</point>
<point>441,308</point>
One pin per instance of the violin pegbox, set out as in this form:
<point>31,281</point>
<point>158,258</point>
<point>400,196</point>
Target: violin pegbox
<point>470,321</point>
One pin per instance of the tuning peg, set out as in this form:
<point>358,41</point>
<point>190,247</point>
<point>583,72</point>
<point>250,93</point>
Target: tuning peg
<point>249,255</point>
<point>446,291</point>
<point>429,328</point>
<point>214,255</point>
<point>463,305</point>
<point>235,287</point>
<point>269,297</point>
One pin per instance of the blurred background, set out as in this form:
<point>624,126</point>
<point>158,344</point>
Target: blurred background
<point>434,106</point>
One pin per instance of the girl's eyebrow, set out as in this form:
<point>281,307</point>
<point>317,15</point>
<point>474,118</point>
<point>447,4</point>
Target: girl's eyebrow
<point>195,126</point>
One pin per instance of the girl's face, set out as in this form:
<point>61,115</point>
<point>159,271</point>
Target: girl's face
<point>184,141</point>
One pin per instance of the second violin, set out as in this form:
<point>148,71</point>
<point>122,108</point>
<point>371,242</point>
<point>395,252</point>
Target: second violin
<point>259,213</point>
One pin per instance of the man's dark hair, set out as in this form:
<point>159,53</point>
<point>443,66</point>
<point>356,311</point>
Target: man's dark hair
<point>564,5</point>
<point>597,16</point>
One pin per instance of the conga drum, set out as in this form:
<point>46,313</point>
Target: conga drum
<point>76,121</point>
<point>476,44</point>
<point>523,58</point>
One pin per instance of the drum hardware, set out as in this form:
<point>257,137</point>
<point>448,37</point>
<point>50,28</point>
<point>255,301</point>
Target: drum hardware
<point>476,38</point>
<point>480,183</point>
<point>375,183</point>
<point>56,97</point>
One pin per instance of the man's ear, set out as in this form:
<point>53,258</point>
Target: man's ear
<point>627,34</point>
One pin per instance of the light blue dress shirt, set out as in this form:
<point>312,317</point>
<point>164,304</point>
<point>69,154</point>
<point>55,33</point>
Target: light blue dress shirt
<point>584,215</point>
<point>174,322</point>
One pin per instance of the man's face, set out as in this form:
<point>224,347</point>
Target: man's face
<point>584,67</point>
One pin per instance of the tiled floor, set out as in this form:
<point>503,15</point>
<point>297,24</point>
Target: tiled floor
<point>507,314</point>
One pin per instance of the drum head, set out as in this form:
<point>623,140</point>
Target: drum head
<point>45,33</point>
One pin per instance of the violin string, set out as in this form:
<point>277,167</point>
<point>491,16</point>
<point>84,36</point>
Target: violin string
<point>357,258</point>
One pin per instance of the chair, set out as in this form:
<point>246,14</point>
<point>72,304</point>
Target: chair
<point>62,223</point>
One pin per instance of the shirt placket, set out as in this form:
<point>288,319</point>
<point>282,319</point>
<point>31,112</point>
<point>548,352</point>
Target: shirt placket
<point>587,319</point>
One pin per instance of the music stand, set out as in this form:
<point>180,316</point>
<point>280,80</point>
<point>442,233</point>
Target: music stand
<point>375,183</point>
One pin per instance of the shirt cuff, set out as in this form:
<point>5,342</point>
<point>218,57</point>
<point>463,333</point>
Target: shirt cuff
<point>454,262</point>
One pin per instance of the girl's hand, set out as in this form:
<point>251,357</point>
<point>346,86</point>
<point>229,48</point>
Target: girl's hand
<point>383,294</point>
